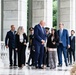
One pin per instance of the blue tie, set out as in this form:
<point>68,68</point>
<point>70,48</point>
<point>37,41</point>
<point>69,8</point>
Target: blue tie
<point>61,31</point>
<point>42,30</point>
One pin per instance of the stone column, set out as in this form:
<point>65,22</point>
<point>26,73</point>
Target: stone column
<point>75,16</point>
<point>66,13</point>
<point>75,29</point>
<point>1,63</point>
<point>22,14</point>
<point>42,10</point>
<point>14,12</point>
<point>0,20</point>
<point>72,14</point>
<point>29,13</point>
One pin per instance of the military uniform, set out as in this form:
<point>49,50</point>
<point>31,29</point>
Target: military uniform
<point>31,46</point>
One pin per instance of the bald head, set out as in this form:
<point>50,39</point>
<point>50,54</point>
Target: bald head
<point>61,25</point>
<point>42,23</point>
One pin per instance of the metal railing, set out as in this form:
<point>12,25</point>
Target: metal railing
<point>4,54</point>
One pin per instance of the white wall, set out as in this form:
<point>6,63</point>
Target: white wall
<point>0,20</point>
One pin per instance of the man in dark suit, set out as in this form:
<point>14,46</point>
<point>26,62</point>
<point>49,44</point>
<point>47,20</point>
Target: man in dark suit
<point>71,50</point>
<point>63,44</point>
<point>39,40</point>
<point>10,43</point>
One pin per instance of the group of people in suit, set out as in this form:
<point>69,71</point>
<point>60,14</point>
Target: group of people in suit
<point>44,46</point>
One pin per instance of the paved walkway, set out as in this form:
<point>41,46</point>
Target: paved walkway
<point>29,71</point>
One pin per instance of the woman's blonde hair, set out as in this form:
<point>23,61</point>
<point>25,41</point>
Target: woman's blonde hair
<point>20,30</point>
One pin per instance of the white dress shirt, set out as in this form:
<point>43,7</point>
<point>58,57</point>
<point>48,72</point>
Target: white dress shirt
<point>21,38</point>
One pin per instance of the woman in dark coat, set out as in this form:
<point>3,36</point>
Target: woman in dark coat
<point>21,43</point>
<point>52,48</point>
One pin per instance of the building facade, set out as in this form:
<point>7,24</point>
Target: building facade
<point>15,12</point>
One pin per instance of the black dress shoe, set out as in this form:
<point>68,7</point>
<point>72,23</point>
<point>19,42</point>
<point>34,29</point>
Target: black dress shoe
<point>27,63</point>
<point>40,67</point>
<point>10,65</point>
<point>59,65</point>
<point>48,66</point>
<point>66,64</point>
<point>70,64</point>
<point>15,65</point>
<point>36,67</point>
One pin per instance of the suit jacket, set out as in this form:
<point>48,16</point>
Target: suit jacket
<point>17,40</point>
<point>72,42</point>
<point>39,35</point>
<point>10,39</point>
<point>64,37</point>
<point>49,42</point>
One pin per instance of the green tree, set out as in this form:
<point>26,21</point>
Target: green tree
<point>55,13</point>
